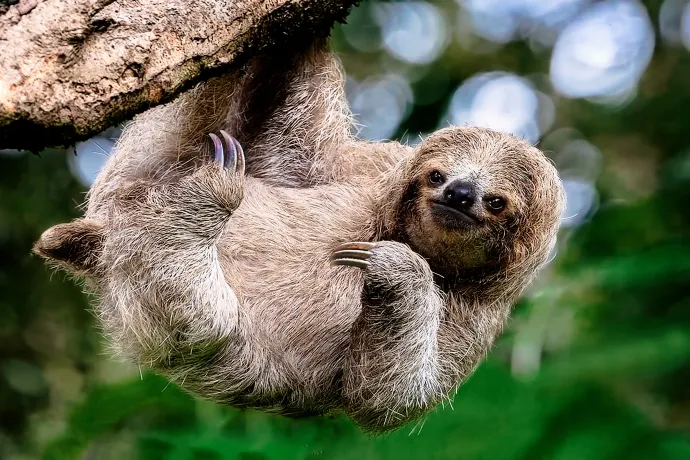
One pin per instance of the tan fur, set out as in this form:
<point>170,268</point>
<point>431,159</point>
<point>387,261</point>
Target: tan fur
<point>223,282</point>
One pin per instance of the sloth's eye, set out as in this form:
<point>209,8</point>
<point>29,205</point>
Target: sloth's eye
<point>436,178</point>
<point>496,204</point>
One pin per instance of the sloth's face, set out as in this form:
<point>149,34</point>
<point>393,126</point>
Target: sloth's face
<point>481,198</point>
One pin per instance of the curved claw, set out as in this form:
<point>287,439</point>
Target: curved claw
<point>355,254</point>
<point>231,159</point>
<point>240,158</point>
<point>352,263</point>
<point>356,245</point>
<point>218,155</point>
<point>235,145</point>
<point>351,253</point>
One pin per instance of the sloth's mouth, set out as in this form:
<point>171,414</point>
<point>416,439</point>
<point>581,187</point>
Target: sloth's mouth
<point>447,213</point>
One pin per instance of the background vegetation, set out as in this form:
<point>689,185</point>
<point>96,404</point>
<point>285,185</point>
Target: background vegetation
<point>596,361</point>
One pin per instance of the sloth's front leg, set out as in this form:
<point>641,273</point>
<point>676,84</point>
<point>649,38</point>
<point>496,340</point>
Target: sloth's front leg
<point>165,300</point>
<point>393,372</point>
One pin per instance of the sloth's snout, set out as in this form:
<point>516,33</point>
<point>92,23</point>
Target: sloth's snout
<point>460,195</point>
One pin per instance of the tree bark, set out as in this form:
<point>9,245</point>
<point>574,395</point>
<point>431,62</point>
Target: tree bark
<point>71,68</point>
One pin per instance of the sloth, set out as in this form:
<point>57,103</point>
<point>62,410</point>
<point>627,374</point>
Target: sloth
<point>291,268</point>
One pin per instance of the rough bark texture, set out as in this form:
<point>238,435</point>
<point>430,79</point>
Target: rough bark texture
<point>71,68</point>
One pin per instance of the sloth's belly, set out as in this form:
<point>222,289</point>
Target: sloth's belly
<point>303,307</point>
<point>276,259</point>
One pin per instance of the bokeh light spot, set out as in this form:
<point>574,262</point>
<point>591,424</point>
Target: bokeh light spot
<point>603,51</point>
<point>413,31</point>
<point>91,155</point>
<point>500,101</point>
<point>380,105</point>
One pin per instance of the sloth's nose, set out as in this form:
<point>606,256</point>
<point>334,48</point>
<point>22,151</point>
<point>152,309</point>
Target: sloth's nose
<point>460,195</point>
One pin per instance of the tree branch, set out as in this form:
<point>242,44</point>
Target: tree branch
<point>71,68</point>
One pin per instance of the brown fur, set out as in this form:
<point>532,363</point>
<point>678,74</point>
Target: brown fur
<point>223,283</point>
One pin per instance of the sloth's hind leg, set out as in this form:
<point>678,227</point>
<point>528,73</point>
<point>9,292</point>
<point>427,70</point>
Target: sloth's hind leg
<point>162,263</point>
<point>166,303</point>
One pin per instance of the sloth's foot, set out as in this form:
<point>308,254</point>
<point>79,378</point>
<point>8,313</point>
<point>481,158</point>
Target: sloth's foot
<point>218,184</point>
<point>198,204</point>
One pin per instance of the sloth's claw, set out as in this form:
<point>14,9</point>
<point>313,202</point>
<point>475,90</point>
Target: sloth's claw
<point>218,155</point>
<point>233,159</point>
<point>352,263</point>
<point>357,245</point>
<point>234,145</point>
<point>355,254</point>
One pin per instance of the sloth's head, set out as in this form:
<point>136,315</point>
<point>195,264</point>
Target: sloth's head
<point>476,203</point>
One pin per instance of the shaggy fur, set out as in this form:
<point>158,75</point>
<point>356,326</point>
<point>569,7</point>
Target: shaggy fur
<point>224,281</point>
